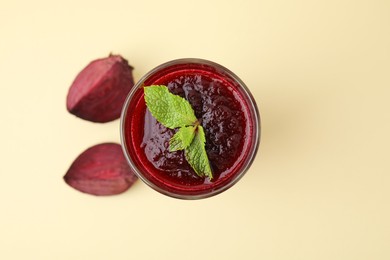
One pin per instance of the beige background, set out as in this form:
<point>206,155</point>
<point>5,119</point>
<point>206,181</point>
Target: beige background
<point>319,187</point>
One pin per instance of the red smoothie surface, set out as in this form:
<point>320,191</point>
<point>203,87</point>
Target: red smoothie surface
<point>223,111</point>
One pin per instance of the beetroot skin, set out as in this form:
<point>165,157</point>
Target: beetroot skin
<point>100,89</point>
<point>101,170</point>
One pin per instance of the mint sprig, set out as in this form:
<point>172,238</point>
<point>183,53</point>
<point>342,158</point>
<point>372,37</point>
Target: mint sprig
<point>173,112</point>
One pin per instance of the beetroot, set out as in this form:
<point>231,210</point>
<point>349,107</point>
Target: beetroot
<point>100,89</point>
<point>101,170</point>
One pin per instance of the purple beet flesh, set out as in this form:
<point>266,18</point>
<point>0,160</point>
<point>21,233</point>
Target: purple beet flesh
<point>101,170</point>
<point>100,89</point>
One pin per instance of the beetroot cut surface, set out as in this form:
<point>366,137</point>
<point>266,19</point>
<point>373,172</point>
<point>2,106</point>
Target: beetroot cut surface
<point>101,170</point>
<point>98,92</point>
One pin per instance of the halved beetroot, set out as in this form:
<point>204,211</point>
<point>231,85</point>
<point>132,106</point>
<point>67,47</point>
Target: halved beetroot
<point>100,89</point>
<point>101,170</point>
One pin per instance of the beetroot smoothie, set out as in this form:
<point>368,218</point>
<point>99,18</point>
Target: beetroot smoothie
<point>224,107</point>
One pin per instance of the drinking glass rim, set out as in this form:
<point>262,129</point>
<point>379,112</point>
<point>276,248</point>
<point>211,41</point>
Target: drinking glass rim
<point>252,108</point>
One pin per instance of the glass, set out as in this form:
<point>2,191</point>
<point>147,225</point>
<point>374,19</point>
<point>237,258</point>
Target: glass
<point>134,127</point>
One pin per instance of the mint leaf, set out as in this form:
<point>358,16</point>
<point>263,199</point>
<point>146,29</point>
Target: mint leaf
<point>196,154</point>
<point>170,110</point>
<point>173,111</point>
<point>182,139</point>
